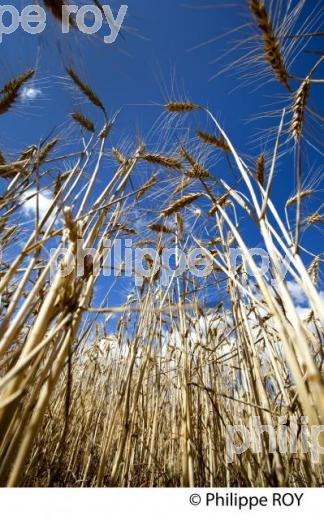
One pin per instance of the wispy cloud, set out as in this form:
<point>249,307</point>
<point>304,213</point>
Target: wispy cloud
<point>30,93</point>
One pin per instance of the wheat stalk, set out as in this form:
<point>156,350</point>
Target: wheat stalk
<point>213,141</point>
<point>85,89</point>
<point>298,109</point>
<point>10,92</point>
<point>272,47</point>
<point>163,161</point>
<point>180,203</point>
<point>83,121</point>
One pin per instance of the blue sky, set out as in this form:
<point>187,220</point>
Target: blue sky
<point>153,52</point>
<point>162,54</point>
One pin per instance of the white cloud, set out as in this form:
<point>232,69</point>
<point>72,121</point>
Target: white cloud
<point>30,93</point>
<point>301,301</point>
<point>199,334</point>
<point>296,292</point>
<point>30,202</point>
<point>303,312</point>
